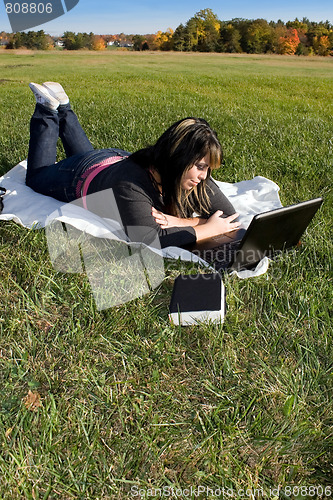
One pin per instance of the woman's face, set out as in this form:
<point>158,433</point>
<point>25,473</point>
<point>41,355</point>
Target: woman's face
<point>196,174</point>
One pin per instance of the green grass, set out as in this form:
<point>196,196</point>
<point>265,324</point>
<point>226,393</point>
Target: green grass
<point>127,399</point>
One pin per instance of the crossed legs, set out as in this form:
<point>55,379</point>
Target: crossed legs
<point>52,119</point>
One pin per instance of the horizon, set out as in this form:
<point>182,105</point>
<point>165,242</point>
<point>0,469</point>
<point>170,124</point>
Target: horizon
<point>148,18</point>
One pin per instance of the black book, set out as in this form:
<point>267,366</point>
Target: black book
<point>197,297</point>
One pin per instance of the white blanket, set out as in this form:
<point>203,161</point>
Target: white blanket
<point>34,210</point>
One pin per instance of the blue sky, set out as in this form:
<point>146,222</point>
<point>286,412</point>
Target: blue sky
<point>149,16</point>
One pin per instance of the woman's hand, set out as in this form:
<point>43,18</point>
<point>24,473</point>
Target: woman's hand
<point>222,224</point>
<point>216,225</point>
<point>165,220</point>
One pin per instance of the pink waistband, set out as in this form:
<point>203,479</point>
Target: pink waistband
<point>90,174</point>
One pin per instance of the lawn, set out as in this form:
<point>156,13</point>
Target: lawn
<point>126,405</point>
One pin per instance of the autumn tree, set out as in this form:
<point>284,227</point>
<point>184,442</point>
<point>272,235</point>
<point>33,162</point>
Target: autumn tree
<point>98,43</point>
<point>288,44</point>
<point>163,39</point>
<point>322,45</point>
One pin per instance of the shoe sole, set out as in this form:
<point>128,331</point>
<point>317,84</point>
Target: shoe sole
<point>43,97</point>
<point>56,91</point>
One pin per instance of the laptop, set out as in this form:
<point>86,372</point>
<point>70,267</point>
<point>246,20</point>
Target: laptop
<point>269,233</point>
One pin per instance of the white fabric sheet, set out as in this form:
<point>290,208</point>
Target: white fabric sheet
<point>34,210</point>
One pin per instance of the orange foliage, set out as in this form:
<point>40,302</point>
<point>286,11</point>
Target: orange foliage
<point>98,43</point>
<point>289,43</point>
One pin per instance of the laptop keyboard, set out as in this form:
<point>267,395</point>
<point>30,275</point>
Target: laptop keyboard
<point>221,256</point>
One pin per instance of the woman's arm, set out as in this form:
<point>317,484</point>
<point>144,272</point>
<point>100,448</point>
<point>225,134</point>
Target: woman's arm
<point>204,228</point>
<point>165,220</point>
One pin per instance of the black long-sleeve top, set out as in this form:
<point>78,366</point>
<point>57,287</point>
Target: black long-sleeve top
<point>126,194</point>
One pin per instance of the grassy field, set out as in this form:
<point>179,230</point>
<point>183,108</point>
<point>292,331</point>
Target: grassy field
<point>125,403</point>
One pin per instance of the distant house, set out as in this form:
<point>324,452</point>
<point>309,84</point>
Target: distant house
<point>126,44</point>
<point>58,43</point>
<point>123,43</point>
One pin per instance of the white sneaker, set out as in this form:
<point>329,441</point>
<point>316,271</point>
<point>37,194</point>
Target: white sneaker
<point>56,91</point>
<point>43,97</point>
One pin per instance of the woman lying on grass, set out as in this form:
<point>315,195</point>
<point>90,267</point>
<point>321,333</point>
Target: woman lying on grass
<point>157,189</point>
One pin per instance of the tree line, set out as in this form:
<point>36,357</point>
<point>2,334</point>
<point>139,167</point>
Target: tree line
<point>203,32</point>
<point>42,41</point>
<point>37,40</point>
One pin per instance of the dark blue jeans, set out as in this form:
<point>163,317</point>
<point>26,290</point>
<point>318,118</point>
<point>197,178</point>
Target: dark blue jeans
<point>44,175</point>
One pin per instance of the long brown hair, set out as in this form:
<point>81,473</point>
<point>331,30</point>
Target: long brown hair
<point>175,152</point>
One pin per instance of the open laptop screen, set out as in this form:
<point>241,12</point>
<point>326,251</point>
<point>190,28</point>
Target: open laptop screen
<point>272,231</point>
